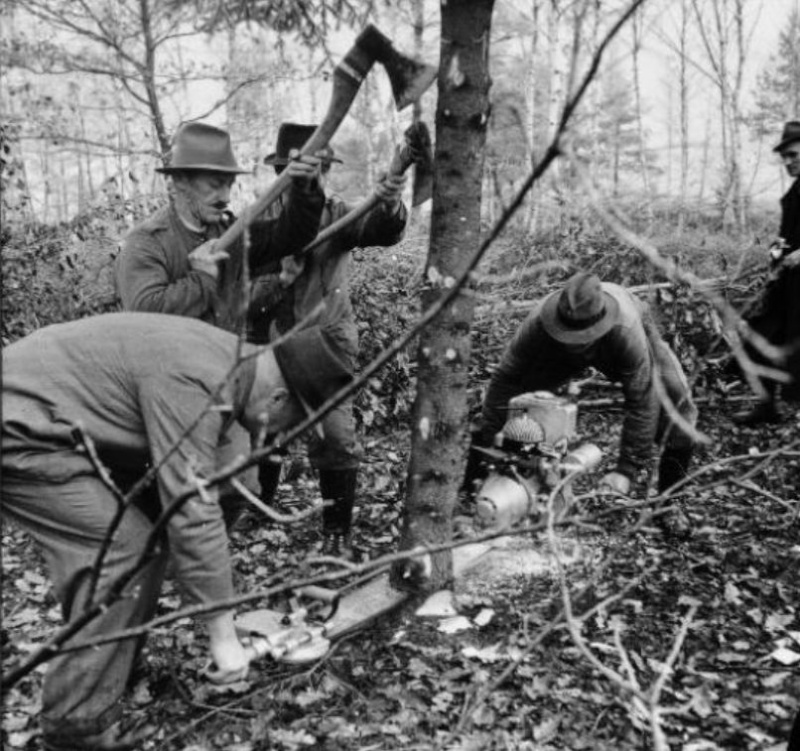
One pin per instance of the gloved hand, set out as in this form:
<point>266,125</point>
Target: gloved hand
<point>616,482</point>
<point>205,258</point>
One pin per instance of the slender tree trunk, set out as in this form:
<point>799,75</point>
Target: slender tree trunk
<point>556,97</point>
<point>440,412</point>
<point>149,76</point>
<point>418,12</point>
<point>531,87</point>
<point>636,26</point>
<point>45,158</point>
<point>683,106</point>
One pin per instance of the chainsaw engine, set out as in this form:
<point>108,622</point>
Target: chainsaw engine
<point>531,458</point>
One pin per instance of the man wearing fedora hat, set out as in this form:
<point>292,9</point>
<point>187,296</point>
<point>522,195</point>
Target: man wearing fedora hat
<point>169,263</point>
<point>597,324</point>
<point>776,315</point>
<point>290,291</point>
<point>140,389</point>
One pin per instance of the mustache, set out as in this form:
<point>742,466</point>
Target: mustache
<point>220,205</point>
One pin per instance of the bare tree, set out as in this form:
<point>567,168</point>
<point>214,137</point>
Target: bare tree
<point>721,26</point>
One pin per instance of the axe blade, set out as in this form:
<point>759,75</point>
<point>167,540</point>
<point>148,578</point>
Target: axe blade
<point>409,78</point>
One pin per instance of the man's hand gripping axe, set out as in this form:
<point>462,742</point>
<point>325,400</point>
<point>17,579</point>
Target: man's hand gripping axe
<point>416,150</point>
<point>409,80</point>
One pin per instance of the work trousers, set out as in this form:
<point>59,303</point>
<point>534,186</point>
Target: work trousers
<point>69,520</point>
<point>340,448</point>
<point>676,387</point>
<point>776,316</point>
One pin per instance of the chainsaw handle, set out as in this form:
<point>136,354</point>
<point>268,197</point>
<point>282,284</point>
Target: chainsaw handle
<point>315,592</point>
<point>322,596</point>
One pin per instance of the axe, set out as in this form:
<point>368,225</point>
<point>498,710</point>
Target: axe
<point>416,149</point>
<point>409,80</point>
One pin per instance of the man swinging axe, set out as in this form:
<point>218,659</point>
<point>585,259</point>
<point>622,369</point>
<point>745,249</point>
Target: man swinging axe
<point>288,291</point>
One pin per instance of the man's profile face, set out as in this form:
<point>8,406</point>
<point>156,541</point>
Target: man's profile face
<point>208,194</point>
<point>790,154</point>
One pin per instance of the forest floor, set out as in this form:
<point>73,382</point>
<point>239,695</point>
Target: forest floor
<point>515,679</point>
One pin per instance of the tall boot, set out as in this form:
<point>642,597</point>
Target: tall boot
<point>269,475</point>
<point>674,466</point>
<point>338,486</point>
<point>765,410</point>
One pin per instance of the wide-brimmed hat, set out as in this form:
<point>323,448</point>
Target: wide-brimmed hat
<point>313,366</point>
<point>197,146</point>
<point>294,136</point>
<point>791,133</point>
<point>581,312</point>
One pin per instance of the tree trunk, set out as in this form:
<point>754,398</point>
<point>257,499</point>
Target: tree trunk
<point>418,12</point>
<point>684,114</point>
<point>148,73</point>
<point>637,22</point>
<point>440,412</point>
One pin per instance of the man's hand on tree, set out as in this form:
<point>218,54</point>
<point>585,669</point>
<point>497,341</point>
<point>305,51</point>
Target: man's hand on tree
<point>205,258</point>
<point>616,482</point>
<point>390,191</point>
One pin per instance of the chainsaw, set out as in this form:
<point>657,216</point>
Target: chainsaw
<point>533,457</point>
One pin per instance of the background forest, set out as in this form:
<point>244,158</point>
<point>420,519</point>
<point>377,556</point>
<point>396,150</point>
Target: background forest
<point>667,157</point>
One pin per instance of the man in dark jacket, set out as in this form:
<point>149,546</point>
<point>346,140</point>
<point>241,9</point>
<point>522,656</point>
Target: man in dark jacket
<point>601,325</point>
<point>169,262</point>
<point>777,313</point>
<point>288,293</point>
<point>143,390</point>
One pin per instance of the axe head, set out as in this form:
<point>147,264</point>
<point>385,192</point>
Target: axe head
<point>409,78</point>
<point>418,140</point>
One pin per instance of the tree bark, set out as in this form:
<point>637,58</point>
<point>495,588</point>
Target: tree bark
<point>440,411</point>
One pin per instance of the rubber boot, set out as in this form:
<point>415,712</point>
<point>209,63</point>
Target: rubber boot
<point>765,410</point>
<point>794,738</point>
<point>674,467</point>
<point>339,487</point>
<point>269,475</point>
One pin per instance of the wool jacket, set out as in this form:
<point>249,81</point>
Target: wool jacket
<point>790,217</point>
<point>327,268</point>
<point>535,361</point>
<point>140,385</point>
<point>153,273</point>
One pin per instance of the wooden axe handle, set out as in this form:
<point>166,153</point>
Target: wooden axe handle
<point>347,78</point>
<point>404,156</point>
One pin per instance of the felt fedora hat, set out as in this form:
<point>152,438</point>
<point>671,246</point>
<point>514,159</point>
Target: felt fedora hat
<point>313,365</point>
<point>791,133</point>
<point>294,136</point>
<point>581,312</point>
<point>197,146</point>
